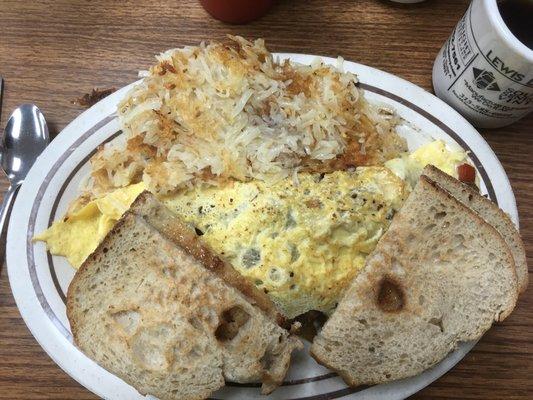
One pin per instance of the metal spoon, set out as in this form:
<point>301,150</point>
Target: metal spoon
<point>25,137</point>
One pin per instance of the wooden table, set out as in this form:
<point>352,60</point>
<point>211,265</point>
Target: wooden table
<point>53,52</point>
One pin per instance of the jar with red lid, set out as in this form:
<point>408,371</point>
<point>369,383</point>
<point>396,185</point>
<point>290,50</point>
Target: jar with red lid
<point>237,11</point>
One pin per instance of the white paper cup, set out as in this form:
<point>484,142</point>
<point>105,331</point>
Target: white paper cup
<point>483,70</point>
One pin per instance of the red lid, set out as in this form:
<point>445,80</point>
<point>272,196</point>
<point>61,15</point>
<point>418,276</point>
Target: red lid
<point>237,11</point>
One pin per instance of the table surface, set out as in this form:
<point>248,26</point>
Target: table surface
<point>52,52</point>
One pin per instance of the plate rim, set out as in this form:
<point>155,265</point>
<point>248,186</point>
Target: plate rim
<point>17,284</point>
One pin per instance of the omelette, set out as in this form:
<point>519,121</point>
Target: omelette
<point>301,239</point>
<point>302,244</point>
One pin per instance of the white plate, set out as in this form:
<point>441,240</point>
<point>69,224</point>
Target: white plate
<point>39,281</point>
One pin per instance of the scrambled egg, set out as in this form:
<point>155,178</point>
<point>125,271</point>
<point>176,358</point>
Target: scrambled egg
<point>79,233</point>
<point>301,244</point>
<point>409,166</point>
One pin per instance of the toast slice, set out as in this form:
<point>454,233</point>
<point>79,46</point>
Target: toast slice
<point>237,365</point>
<point>149,311</point>
<point>439,276</point>
<point>491,213</point>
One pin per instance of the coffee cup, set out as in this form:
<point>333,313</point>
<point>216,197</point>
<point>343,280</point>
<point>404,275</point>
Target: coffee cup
<point>484,70</point>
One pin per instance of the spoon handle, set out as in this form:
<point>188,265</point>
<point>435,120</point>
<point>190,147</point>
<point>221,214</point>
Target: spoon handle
<point>5,211</point>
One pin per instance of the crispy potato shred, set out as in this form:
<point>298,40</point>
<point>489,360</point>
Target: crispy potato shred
<point>230,111</point>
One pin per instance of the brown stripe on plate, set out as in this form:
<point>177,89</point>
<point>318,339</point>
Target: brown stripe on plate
<point>290,382</point>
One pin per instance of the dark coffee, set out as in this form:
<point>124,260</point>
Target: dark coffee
<point>518,16</point>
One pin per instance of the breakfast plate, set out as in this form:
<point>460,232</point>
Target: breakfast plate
<point>40,281</point>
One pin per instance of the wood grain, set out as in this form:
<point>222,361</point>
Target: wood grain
<point>52,52</point>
